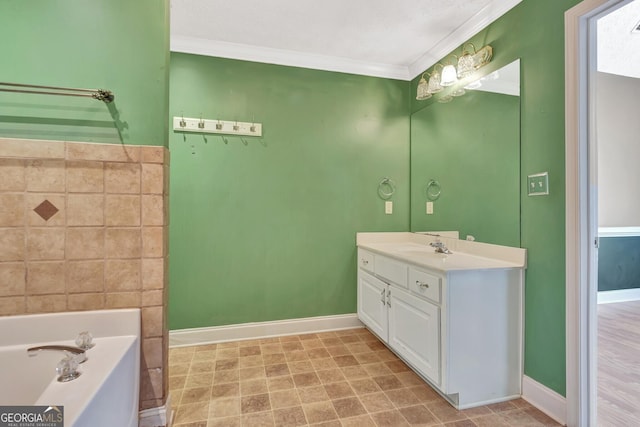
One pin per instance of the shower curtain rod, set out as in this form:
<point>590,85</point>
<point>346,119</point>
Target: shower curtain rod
<point>100,94</point>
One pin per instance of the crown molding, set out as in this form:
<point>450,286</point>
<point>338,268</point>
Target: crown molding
<point>464,32</point>
<point>266,55</point>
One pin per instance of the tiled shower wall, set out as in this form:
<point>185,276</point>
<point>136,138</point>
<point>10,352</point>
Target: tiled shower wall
<point>84,226</point>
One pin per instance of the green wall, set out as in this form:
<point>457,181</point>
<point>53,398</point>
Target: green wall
<point>120,45</point>
<point>471,146</point>
<point>264,229</point>
<point>534,32</point>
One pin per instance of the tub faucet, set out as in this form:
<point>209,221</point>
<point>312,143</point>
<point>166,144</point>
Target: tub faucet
<point>441,248</point>
<point>74,352</point>
<point>67,368</point>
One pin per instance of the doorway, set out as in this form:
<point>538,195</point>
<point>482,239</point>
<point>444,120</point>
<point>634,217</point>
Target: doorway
<point>582,208</point>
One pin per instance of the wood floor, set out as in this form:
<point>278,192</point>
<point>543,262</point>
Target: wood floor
<point>619,364</point>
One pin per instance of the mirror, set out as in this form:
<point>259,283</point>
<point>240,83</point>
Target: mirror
<point>465,159</point>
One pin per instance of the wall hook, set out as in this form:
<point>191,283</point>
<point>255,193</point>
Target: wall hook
<point>201,122</point>
<point>182,122</point>
<point>218,125</point>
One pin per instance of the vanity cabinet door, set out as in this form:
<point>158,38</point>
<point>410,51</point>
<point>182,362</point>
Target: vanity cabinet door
<point>414,332</point>
<point>372,304</point>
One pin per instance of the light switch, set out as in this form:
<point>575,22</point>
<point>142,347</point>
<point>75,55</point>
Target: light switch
<point>538,184</point>
<point>429,208</point>
<point>388,207</point>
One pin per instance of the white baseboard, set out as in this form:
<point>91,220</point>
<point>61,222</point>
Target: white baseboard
<point>156,417</point>
<point>259,330</point>
<point>545,399</point>
<point>620,295</point>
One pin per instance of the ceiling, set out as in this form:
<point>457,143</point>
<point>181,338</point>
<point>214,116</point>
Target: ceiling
<point>618,47</point>
<point>371,37</point>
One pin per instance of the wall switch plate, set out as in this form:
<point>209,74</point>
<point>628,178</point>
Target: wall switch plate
<point>388,208</point>
<point>538,184</point>
<point>429,208</point>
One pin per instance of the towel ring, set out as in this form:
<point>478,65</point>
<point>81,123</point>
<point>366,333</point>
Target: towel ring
<point>433,190</point>
<point>385,184</point>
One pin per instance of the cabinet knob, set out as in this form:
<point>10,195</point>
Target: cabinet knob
<point>365,262</point>
<point>422,285</point>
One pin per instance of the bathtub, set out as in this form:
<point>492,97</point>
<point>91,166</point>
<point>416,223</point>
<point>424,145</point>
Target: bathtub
<point>105,394</point>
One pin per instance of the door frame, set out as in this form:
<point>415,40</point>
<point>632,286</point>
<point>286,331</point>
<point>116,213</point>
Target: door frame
<point>581,211</point>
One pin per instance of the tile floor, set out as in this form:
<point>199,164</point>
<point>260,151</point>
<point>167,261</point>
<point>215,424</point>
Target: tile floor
<point>343,378</point>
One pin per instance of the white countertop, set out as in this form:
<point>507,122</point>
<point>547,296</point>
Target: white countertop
<point>415,249</point>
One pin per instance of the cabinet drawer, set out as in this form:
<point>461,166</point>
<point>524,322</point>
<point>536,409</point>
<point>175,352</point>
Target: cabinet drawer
<point>365,260</point>
<point>425,284</point>
<point>392,270</point>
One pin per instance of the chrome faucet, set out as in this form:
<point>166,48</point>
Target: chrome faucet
<point>67,368</point>
<point>441,248</point>
<point>74,352</point>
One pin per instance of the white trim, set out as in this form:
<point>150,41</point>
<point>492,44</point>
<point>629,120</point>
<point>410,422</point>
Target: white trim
<point>464,32</point>
<point>618,231</point>
<point>155,417</point>
<point>258,330</point>
<point>580,216</point>
<point>286,57</point>
<point>244,52</point>
<point>619,295</point>
<point>545,399</point>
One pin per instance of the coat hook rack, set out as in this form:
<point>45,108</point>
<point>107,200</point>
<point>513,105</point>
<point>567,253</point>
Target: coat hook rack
<point>200,125</point>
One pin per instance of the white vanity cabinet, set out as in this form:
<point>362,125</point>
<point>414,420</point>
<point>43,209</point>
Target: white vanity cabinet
<point>460,330</point>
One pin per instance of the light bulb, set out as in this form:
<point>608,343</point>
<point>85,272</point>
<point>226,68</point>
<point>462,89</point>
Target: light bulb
<point>449,76</point>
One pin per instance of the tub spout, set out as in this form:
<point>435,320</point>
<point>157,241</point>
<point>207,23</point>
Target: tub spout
<point>77,353</point>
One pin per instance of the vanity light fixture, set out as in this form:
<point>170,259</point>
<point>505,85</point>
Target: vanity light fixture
<point>434,80</point>
<point>449,75</point>
<point>466,63</point>
<point>423,89</point>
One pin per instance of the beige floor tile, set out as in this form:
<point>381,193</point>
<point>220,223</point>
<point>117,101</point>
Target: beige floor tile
<point>290,417</point>
<point>361,421</point>
<point>261,419</point>
<point>255,403</point>
<point>222,408</point>
<point>320,412</point>
<point>253,387</point>
<point>348,407</point>
<point>339,390</point>
<point>280,383</point>
<point>343,378</point>
<point>192,412</point>
<point>284,399</point>
<point>193,395</point>
<point>312,394</point>
<point>389,419</point>
<point>225,422</point>
<point>376,402</point>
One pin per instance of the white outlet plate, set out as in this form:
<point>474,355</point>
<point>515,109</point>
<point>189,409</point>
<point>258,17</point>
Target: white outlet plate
<point>388,207</point>
<point>538,184</point>
<point>429,208</point>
